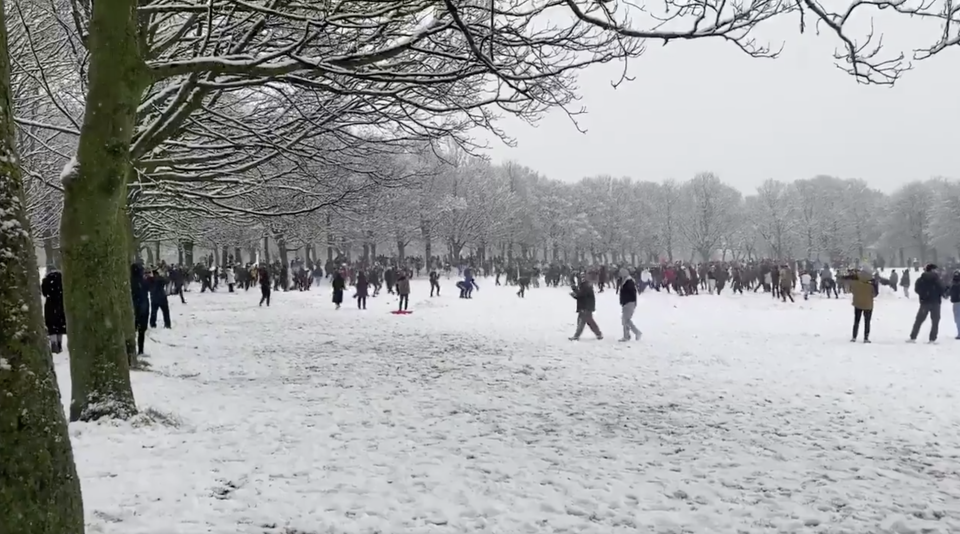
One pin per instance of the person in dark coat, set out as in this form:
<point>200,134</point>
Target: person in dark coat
<point>586,305</point>
<point>955,300</point>
<point>362,290</point>
<point>141,304</point>
<point>930,291</point>
<point>628,305</point>
<point>339,284</point>
<point>53,314</point>
<point>157,285</point>
<point>263,273</point>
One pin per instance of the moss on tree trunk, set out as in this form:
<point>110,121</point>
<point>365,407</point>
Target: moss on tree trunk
<point>93,231</point>
<point>39,488</point>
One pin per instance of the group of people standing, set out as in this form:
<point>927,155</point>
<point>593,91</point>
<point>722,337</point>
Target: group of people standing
<point>931,290</point>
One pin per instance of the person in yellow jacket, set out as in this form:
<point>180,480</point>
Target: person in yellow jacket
<point>862,288</point>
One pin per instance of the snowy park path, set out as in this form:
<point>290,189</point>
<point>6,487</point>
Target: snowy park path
<point>735,414</point>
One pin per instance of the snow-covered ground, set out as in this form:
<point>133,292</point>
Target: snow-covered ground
<point>735,414</point>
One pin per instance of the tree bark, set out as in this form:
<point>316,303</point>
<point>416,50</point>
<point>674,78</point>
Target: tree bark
<point>96,269</point>
<point>39,487</point>
<point>49,255</point>
<point>188,253</point>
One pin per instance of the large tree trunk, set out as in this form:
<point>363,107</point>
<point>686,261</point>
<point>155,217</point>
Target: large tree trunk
<point>39,488</point>
<point>96,268</point>
<point>425,234</point>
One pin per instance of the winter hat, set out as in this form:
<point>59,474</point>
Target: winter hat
<point>930,267</point>
<point>624,273</point>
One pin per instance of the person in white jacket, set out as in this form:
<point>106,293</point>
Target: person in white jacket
<point>231,278</point>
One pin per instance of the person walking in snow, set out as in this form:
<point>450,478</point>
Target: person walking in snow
<point>628,305</point>
<point>339,284</point>
<point>930,292</point>
<point>955,300</point>
<point>231,278</point>
<point>905,283</point>
<point>403,289</point>
<point>53,314</point>
<point>586,305</point>
<point>263,274</point>
<point>434,282</point>
<point>362,290</point>
<point>157,286</point>
<point>862,289</point>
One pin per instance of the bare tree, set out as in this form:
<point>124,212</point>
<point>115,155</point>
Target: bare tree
<point>711,212</point>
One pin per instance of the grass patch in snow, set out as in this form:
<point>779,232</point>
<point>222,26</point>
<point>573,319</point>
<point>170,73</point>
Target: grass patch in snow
<point>150,417</point>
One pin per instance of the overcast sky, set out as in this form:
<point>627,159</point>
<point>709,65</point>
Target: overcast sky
<point>705,106</point>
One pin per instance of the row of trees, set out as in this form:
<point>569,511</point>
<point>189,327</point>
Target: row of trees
<point>166,114</point>
<point>460,205</point>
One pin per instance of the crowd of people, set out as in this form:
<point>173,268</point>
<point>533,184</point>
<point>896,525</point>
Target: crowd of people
<point>151,287</point>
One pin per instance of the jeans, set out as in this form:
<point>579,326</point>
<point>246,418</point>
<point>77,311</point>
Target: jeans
<point>867,315</point>
<point>585,318</point>
<point>956,317</point>
<point>933,310</point>
<point>626,318</point>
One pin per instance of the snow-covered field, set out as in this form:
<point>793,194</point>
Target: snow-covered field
<point>735,414</point>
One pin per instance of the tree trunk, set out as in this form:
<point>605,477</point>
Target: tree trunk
<point>96,269</point>
<point>224,252</point>
<point>149,256</point>
<point>156,251</point>
<point>237,255</point>
<point>427,240</point>
<point>284,261</point>
<point>266,249</point>
<point>48,253</point>
<point>180,253</point>
<point>401,250</point>
<point>39,487</point>
<point>188,253</point>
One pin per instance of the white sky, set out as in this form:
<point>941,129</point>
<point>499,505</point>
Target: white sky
<point>705,106</point>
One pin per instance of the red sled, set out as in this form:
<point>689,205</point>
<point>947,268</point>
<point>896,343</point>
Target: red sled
<point>401,312</point>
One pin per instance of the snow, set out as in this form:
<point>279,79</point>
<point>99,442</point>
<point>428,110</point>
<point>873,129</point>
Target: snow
<point>735,414</point>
